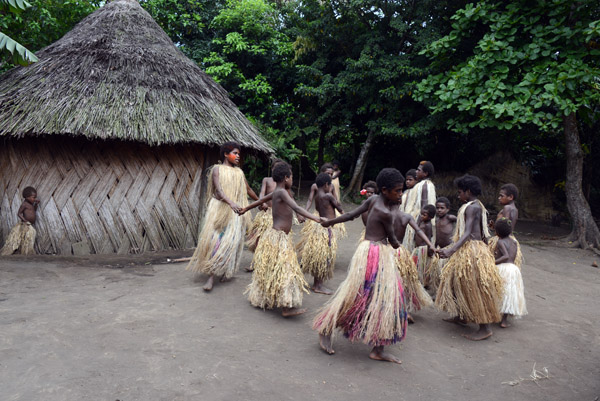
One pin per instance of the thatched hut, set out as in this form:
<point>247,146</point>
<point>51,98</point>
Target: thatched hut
<point>114,126</point>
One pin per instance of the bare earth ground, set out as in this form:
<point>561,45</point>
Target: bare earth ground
<point>136,328</point>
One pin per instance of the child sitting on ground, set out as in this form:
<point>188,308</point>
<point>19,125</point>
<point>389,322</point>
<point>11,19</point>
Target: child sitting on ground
<point>318,246</point>
<point>421,252</point>
<point>368,305</point>
<point>22,236</point>
<point>277,280</point>
<point>513,301</point>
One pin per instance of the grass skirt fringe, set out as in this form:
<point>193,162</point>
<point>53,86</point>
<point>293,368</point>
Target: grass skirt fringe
<point>421,259</point>
<point>493,243</point>
<point>262,221</point>
<point>277,281</point>
<point>513,301</point>
<point>470,286</point>
<point>220,242</point>
<point>368,305</point>
<point>416,296</point>
<point>434,272</point>
<point>319,250</point>
<point>20,240</point>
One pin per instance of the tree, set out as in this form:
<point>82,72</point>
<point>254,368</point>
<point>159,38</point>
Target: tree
<point>10,48</point>
<point>513,65</point>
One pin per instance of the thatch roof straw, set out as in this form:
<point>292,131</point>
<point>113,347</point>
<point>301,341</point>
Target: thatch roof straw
<point>117,75</point>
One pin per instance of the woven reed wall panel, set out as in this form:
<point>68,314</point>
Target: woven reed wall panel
<point>105,196</point>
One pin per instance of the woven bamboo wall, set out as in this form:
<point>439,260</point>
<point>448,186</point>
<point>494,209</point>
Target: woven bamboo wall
<point>105,197</point>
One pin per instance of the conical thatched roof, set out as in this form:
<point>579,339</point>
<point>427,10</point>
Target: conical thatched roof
<point>117,75</point>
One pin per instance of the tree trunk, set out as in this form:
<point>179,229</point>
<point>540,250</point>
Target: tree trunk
<point>359,168</point>
<point>585,231</point>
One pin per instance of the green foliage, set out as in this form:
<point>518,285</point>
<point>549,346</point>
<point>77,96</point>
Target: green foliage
<point>11,49</point>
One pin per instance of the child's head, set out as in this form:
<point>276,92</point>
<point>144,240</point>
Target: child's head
<point>468,184</point>
<point>411,178</point>
<point>231,151</point>
<point>508,193</point>
<point>425,170</point>
<point>390,182</point>
<point>503,227</point>
<point>326,168</point>
<point>323,181</point>
<point>427,213</point>
<point>335,164</point>
<point>282,172</point>
<point>274,162</point>
<point>30,194</point>
<point>442,206</point>
<point>370,188</point>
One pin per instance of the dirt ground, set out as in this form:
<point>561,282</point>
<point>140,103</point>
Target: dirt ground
<point>139,328</point>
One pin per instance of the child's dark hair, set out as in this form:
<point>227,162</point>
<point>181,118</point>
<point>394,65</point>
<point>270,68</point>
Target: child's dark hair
<point>510,189</point>
<point>280,171</point>
<point>323,179</point>
<point>444,200</point>
<point>370,184</point>
<point>27,192</point>
<point>228,147</point>
<point>325,166</point>
<point>389,178</point>
<point>430,209</point>
<point>469,182</point>
<point>411,173</point>
<point>427,167</point>
<point>335,163</point>
<point>275,161</point>
<point>503,227</point>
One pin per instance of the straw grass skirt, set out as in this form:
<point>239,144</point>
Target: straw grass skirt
<point>368,306</point>
<point>20,240</point>
<point>513,300</point>
<point>318,252</point>
<point>421,259</point>
<point>470,285</point>
<point>262,221</point>
<point>277,281</point>
<point>493,243</point>
<point>434,272</point>
<point>416,296</point>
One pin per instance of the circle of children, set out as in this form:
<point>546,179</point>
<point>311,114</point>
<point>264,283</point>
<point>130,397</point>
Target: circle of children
<point>410,248</point>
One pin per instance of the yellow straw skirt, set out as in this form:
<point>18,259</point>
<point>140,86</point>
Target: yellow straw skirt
<point>421,259</point>
<point>416,296</point>
<point>493,243</point>
<point>262,221</point>
<point>277,281</point>
<point>470,286</point>
<point>20,240</point>
<point>434,272</point>
<point>319,249</point>
<point>368,306</point>
<point>221,241</point>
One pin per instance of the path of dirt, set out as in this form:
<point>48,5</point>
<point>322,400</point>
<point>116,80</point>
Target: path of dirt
<point>102,328</point>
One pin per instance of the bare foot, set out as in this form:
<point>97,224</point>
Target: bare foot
<point>378,354</point>
<point>321,289</point>
<point>325,343</point>
<point>209,284</point>
<point>456,320</point>
<point>287,312</point>
<point>504,323</point>
<point>409,318</point>
<point>225,279</point>
<point>249,269</point>
<point>481,334</point>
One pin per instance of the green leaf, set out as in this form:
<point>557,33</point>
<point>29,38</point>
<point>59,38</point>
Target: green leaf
<point>19,54</point>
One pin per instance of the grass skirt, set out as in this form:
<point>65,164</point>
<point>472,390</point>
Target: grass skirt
<point>220,242</point>
<point>277,281</point>
<point>262,221</point>
<point>20,240</point>
<point>416,296</point>
<point>421,259</point>
<point>513,300</point>
<point>318,251</point>
<point>493,243</point>
<point>368,305</point>
<point>434,272</point>
<point>470,286</point>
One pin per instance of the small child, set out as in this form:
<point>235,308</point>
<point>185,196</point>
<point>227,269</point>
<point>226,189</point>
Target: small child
<point>277,280</point>
<point>421,252</point>
<point>368,305</point>
<point>443,238</point>
<point>21,238</point>
<point>411,181</point>
<point>508,195</point>
<point>513,302</point>
<point>368,190</point>
<point>470,285</point>
<point>335,178</point>
<point>326,168</point>
<point>423,193</point>
<point>318,246</point>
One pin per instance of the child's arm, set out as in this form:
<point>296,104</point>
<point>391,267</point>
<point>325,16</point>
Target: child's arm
<point>219,194</point>
<point>336,174</point>
<point>351,215</point>
<point>302,212</point>
<point>451,218</point>
<point>313,191</point>
<point>419,232</point>
<point>256,203</point>
<point>424,194</point>
<point>20,212</point>
<point>336,204</point>
<point>470,215</point>
<point>504,257</point>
